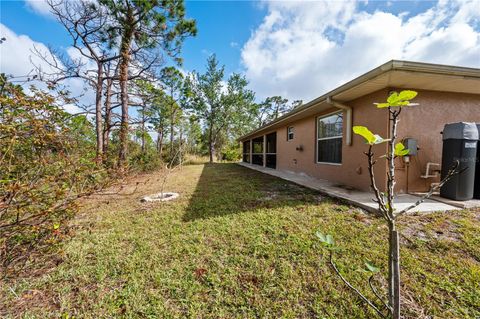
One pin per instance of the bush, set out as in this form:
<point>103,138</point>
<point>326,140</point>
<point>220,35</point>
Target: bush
<point>148,161</point>
<point>231,154</point>
<point>45,165</point>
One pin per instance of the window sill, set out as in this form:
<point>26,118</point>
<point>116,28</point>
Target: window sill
<point>328,163</point>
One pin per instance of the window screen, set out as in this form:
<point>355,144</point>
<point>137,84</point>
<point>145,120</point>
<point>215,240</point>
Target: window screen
<point>329,138</point>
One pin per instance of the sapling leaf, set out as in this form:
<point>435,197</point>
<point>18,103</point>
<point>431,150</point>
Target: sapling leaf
<point>371,267</point>
<point>326,240</point>
<point>380,139</point>
<point>406,95</point>
<point>365,133</point>
<point>330,240</point>
<point>321,237</point>
<point>382,105</point>
<point>400,150</point>
<point>393,98</point>
<point>399,99</point>
<point>370,138</point>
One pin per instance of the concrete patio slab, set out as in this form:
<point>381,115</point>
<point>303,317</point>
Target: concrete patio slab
<point>473,203</point>
<point>354,197</point>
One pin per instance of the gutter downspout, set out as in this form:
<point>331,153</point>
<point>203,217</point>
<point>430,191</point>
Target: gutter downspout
<point>348,110</point>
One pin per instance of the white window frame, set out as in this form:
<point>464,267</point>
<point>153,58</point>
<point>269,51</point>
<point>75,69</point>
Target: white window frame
<point>292,132</point>
<point>326,138</point>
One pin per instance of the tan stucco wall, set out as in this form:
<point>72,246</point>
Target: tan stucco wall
<point>353,170</point>
<point>424,123</point>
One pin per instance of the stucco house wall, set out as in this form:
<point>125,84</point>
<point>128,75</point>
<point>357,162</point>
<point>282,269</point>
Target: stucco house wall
<point>447,94</point>
<point>424,123</point>
<point>353,170</point>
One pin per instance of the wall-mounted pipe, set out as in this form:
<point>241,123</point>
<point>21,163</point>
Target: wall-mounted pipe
<point>348,110</point>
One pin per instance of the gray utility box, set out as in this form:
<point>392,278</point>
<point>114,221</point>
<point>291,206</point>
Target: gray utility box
<point>411,145</point>
<point>459,144</point>
<point>476,189</point>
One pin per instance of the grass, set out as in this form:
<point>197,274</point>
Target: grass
<point>240,244</point>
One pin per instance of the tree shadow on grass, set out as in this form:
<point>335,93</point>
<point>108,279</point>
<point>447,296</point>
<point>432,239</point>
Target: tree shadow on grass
<point>226,188</point>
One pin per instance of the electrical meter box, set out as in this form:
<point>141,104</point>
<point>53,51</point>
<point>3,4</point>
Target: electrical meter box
<point>411,145</point>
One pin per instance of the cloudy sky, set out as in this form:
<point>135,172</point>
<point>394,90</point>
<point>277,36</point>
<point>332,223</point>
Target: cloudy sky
<point>295,49</point>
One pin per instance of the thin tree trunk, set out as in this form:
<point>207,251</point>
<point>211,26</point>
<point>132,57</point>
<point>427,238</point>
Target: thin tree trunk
<point>143,129</point>
<point>391,267</point>
<point>124,108</point>
<point>180,147</point>
<point>108,117</point>
<point>172,131</point>
<point>98,113</point>
<point>160,142</point>
<point>396,274</point>
<point>393,259</point>
<point>123,79</point>
<point>211,149</point>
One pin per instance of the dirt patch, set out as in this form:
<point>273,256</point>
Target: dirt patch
<point>270,196</point>
<point>446,230</point>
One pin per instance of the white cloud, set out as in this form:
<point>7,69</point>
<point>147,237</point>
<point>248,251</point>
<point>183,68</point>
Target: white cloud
<point>15,53</point>
<point>301,50</point>
<point>39,6</point>
<point>17,61</point>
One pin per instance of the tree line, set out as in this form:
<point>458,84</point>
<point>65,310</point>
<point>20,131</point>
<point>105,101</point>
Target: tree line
<point>129,54</point>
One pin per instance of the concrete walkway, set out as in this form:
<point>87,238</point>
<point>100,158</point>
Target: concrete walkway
<point>354,197</point>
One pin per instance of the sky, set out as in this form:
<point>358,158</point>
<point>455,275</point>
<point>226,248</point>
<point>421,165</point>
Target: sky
<point>296,49</point>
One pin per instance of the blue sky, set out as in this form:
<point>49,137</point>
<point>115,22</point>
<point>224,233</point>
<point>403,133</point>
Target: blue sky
<point>294,49</point>
<point>223,27</point>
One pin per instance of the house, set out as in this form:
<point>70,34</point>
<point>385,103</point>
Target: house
<point>316,139</point>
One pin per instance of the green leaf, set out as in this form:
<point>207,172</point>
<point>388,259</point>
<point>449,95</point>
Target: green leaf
<point>327,240</point>
<point>371,267</point>
<point>330,240</point>
<point>368,135</point>
<point>400,150</point>
<point>321,237</point>
<point>380,140</point>
<point>407,95</point>
<point>365,133</point>
<point>56,226</point>
<point>382,105</point>
<point>398,99</point>
<point>393,98</point>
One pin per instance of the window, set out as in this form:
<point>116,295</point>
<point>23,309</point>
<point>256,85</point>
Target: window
<point>289,133</point>
<point>329,138</point>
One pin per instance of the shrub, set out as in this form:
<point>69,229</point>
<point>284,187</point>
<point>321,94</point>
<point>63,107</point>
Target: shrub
<point>44,166</point>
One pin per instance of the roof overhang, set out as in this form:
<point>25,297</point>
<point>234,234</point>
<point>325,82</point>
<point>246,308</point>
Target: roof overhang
<point>394,74</point>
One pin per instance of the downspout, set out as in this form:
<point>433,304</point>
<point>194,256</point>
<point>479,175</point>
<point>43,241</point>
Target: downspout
<point>348,110</point>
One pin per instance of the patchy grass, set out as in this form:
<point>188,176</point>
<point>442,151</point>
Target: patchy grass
<point>240,244</point>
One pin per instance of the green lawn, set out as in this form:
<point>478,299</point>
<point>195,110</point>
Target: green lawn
<point>240,244</point>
